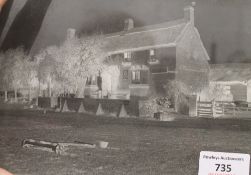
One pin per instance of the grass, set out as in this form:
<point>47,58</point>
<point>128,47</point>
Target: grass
<point>145,147</point>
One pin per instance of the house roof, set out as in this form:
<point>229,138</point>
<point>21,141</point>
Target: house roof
<point>141,38</point>
<point>230,72</point>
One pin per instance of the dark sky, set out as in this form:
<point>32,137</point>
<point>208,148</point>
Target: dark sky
<point>224,24</point>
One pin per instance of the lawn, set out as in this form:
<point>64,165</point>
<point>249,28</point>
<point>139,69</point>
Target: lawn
<point>145,147</point>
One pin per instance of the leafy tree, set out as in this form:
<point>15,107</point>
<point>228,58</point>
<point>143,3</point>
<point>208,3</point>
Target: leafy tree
<point>2,84</point>
<point>179,93</point>
<point>29,75</point>
<point>68,66</point>
<point>46,67</point>
<point>216,92</point>
<point>12,69</point>
<point>17,71</point>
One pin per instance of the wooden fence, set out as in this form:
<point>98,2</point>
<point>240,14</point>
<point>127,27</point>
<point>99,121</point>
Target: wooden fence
<point>219,108</point>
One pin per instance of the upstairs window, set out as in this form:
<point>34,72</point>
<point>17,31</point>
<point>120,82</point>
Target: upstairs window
<point>159,70</point>
<point>152,56</point>
<point>127,56</point>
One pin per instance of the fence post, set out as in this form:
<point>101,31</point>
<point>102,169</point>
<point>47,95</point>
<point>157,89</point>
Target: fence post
<point>5,96</point>
<point>193,109</point>
<point>223,109</point>
<point>213,108</point>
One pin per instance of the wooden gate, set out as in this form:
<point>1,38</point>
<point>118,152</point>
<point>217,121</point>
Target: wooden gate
<point>204,109</point>
<point>216,109</point>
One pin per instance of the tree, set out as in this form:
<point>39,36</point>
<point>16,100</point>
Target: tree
<point>12,70</point>
<point>179,93</point>
<point>216,92</point>
<point>2,85</point>
<point>29,75</point>
<point>46,67</point>
<point>17,71</point>
<point>68,66</point>
<point>79,58</point>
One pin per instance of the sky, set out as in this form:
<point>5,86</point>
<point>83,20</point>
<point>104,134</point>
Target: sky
<point>224,25</point>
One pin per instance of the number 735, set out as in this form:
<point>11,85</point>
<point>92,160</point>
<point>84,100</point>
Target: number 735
<point>223,168</point>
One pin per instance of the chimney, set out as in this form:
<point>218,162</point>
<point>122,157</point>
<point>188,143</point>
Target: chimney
<point>189,13</point>
<point>71,34</point>
<point>129,24</point>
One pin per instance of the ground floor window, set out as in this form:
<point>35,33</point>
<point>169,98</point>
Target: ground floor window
<point>136,76</point>
<point>92,80</point>
<point>140,77</point>
<point>125,74</point>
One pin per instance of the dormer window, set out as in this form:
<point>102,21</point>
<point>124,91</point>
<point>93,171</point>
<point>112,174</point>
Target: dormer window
<point>127,56</point>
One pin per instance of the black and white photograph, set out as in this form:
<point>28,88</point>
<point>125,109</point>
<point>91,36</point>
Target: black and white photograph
<point>125,87</point>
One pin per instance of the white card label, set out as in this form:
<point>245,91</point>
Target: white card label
<point>218,163</point>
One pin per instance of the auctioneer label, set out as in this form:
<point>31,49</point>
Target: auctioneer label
<point>218,163</point>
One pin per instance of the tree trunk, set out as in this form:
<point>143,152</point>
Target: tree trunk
<point>81,89</point>
<point>39,84</point>
<point>15,92</point>
<point>29,94</point>
<point>38,93</point>
<point>49,87</point>
<point>5,96</point>
<point>176,102</point>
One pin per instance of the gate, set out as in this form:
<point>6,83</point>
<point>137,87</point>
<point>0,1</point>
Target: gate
<point>204,109</point>
<point>216,109</point>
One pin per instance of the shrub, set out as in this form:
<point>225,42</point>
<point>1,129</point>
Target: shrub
<point>153,105</point>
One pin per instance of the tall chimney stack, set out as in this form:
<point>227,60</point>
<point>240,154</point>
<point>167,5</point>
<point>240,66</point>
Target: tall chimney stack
<point>129,24</point>
<point>189,13</point>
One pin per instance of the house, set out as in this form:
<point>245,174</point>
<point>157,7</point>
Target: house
<point>144,59</point>
<point>234,78</point>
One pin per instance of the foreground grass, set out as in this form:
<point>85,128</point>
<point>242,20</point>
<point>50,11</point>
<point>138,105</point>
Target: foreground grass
<point>145,147</point>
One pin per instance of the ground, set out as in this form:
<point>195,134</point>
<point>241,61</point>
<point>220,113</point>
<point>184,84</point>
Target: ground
<point>144,147</point>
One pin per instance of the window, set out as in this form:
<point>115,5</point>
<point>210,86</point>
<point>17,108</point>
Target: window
<point>152,52</point>
<point>152,56</point>
<point>127,56</point>
<point>136,76</point>
<point>227,89</point>
<point>125,74</point>
<point>161,69</point>
<point>91,80</point>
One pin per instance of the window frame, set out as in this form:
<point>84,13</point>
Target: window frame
<point>125,75</point>
<point>127,56</point>
<point>136,77</point>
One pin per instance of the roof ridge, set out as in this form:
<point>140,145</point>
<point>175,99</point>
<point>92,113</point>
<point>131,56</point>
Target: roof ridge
<point>229,64</point>
<point>149,28</point>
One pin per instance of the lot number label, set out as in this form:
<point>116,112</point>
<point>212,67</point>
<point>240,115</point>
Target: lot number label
<point>217,163</point>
